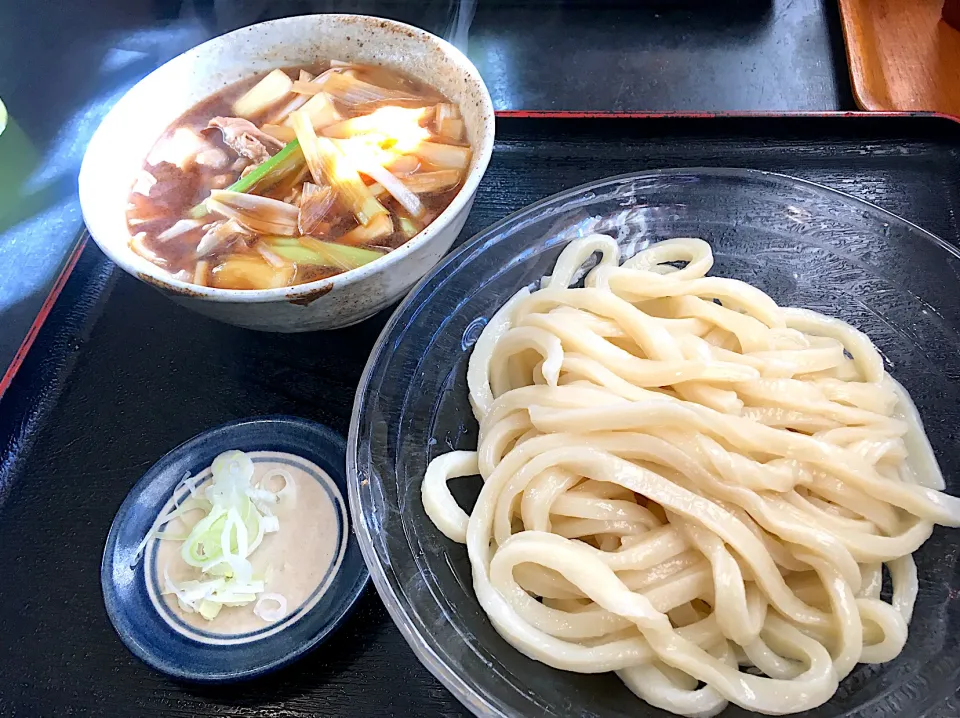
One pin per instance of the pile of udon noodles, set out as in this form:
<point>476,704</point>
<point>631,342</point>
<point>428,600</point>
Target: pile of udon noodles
<point>689,485</point>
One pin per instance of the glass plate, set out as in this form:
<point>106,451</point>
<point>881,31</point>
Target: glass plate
<point>803,244</point>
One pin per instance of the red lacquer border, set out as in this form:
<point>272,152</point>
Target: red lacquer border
<point>505,114</point>
<point>41,317</point>
<point>603,115</point>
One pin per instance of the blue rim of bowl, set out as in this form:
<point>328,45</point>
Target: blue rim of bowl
<point>112,603</point>
<point>479,702</point>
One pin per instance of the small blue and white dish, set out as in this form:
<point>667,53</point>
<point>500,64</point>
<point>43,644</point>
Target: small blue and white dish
<point>319,565</point>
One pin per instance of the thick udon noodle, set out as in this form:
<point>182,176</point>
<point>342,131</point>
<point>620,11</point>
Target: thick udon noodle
<point>683,480</point>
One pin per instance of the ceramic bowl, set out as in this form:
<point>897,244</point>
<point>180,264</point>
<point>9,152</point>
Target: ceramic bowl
<point>314,559</point>
<point>125,137</point>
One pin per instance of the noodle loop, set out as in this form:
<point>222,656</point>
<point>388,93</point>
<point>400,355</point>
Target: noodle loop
<point>683,480</point>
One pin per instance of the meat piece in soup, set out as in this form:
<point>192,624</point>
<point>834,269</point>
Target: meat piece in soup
<point>297,175</point>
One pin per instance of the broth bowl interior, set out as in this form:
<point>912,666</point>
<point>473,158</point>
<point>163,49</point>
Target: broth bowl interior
<point>118,148</point>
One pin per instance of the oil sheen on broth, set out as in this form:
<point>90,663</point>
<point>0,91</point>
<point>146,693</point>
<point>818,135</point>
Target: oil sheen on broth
<point>297,175</point>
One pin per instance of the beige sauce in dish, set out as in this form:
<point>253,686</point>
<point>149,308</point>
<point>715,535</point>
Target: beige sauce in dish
<point>298,561</point>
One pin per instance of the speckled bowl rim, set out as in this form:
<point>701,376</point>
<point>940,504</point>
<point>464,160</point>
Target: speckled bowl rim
<point>481,159</point>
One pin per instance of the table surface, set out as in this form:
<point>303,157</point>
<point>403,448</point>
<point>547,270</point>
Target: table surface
<point>63,64</point>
